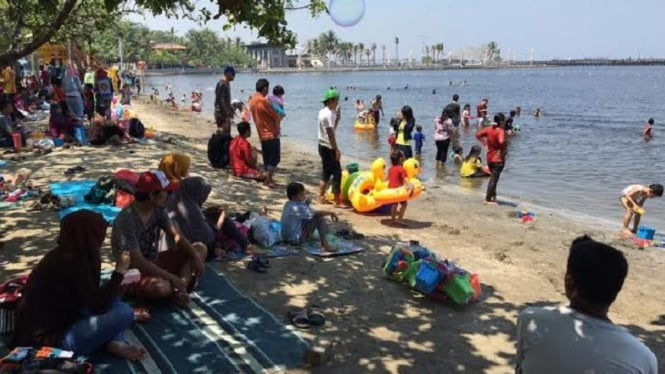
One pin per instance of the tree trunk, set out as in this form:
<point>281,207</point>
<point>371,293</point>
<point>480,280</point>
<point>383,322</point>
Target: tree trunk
<point>40,39</point>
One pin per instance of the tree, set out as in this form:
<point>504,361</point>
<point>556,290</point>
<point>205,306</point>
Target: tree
<point>361,48</point>
<point>491,51</point>
<point>373,48</point>
<point>368,53</point>
<point>383,54</point>
<point>328,42</point>
<point>28,24</point>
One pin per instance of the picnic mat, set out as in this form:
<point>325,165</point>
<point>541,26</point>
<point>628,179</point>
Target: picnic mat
<point>344,247</point>
<point>78,189</point>
<point>223,331</point>
<point>277,250</point>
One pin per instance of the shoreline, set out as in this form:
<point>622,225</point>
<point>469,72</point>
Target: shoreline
<point>379,325</point>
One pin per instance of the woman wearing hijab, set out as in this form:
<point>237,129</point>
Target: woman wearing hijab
<point>63,305</point>
<point>175,166</point>
<point>72,87</point>
<point>185,209</point>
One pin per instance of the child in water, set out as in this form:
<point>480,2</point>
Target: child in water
<point>456,155</point>
<point>397,178</point>
<point>647,133</point>
<point>633,199</point>
<point>419,138</point>
<point>472,167</point>
<point>466,115</point>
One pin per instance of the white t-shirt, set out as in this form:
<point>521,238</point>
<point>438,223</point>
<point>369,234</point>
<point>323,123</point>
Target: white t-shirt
<point>326,120</point>
<point>561,340</point>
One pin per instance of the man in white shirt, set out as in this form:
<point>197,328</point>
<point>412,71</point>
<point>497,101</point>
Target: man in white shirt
<point>328,150</point>
<point>580,338</point>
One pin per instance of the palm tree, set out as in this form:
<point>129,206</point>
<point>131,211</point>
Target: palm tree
<point>491,51</point>
<point>368,53</point>
<point>397,50</point>
<point>361,48</point>
<point>373,48</point>
<point>328,42</point>
<point>383,54</point>
<point>427,54</point>
<point>439,50</point>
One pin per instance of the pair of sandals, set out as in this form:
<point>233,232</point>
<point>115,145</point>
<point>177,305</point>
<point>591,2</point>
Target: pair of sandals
<point>258,264</point>
<point>305,317</point>
<point>349,234</point>
<point>74,170</point>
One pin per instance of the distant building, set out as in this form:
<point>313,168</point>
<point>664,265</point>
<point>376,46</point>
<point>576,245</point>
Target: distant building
<point>267,56</point>
<point>304,60</point>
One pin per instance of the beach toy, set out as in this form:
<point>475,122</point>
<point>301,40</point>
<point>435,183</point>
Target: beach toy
<point>58,142</point>
<point>459,288</point>
<point>352,168</point>
<point>362,126</point>
<point>646,233</point>
<point>428,276</point>
<point>398,264</point>
<point>18,141</point>
<point>477,289</point>
<point>639,210</point>
<point>399,194</point>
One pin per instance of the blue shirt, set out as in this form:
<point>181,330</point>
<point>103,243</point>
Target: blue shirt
<point>419,137</point>
<point>293,215</point>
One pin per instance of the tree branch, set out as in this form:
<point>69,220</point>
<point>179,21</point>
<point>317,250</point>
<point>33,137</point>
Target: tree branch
<point>40,40</point>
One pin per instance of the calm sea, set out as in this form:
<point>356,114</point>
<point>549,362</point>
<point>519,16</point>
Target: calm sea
<point>577,157</point>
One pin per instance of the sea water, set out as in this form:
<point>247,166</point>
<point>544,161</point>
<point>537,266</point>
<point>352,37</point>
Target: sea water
<point>578,156</point>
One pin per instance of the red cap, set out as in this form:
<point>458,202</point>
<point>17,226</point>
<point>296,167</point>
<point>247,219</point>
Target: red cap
<point>155,180</point>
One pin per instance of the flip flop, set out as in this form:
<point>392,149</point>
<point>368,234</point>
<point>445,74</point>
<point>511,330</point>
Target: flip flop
<point>141,315</point>
<point>299,318</point>
<point>255,265</point>
<point>315,315</point>
<point>263,261</point>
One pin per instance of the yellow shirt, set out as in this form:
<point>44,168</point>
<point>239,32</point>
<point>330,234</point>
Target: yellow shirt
<point>8,81</point>
<point>400,135</point>
<point>470,167</point>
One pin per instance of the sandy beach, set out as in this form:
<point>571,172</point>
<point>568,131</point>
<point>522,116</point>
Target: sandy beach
<point>378,325</point>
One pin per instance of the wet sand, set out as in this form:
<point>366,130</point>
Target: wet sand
<point>379,326</point>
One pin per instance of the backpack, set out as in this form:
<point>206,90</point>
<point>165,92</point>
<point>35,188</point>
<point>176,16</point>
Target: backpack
<point>103,192</point>
<point>10,294</point>
<point>218,149</point>
<point>136,128</point>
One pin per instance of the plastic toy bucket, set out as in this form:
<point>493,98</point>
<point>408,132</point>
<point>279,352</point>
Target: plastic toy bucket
<point>459,288</point>
<point>646,233</point>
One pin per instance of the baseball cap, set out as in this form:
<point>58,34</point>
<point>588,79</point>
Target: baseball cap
<point>330,93</point>
<point>229,70</point>
<point>155,180</point>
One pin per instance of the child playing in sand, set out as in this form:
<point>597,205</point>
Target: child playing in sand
<point>299,220</point>
<point>647,133</point>
<point>633,199</point>
<point>419,138</point>
<point>472,167</point>
<point>397,178</point>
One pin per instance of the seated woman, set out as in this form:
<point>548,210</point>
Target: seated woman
<point>176,166</point>
<point>185,209</point>
<point>63,305</point>
<point>60,123</point>
<point>472,166</point>
<point>104,132</point>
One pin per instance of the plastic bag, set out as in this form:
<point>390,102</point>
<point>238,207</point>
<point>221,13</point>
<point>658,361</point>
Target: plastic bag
<point>264,231</point>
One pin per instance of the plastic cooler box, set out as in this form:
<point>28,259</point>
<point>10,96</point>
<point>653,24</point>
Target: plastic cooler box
<point>646,233</point>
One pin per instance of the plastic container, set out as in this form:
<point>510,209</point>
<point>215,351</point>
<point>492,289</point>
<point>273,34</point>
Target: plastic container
<point>352,168</point>
<point>18,141</point>
<point>58,142</point>
<point>427,277</point>
<point>646,233</point>
<point>459,288</point>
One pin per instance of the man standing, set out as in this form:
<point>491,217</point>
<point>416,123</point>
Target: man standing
<point>267,121</point>
<point>376,109</point>
<point>328,149</point>
<point>494,138</point>
<point>223,110</point>
<point>454,110</point>
<point>580,337</point>
<point>9,83</point>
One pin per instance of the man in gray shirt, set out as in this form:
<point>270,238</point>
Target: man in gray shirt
<point>223,108</point>
<point>580,338</point>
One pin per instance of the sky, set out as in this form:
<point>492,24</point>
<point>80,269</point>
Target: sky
<point>546,29</point>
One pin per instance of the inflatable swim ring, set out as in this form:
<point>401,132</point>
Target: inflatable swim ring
<point>347,180</point>
<point>359,125</point>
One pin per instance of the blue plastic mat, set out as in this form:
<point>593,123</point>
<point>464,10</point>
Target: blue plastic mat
<point>77,190</point>
<point>344,247</point>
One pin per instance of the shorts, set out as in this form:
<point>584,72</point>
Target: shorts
<point>271,153</point>
<point>331,167</point>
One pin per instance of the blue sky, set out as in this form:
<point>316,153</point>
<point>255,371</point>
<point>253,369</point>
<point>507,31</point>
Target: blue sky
<point>553,29</point>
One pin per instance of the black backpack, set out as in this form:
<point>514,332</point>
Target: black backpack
<point>136,128</point>
<point>218,149</point>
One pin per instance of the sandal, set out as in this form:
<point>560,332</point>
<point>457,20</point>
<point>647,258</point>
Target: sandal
<point>141,315</point>
<point>315,315</point>
<point>256,266</point>
<point>299,318</point>
<point>263,261</point>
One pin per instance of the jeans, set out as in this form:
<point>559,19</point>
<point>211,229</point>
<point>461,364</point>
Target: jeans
<point>406,150</point>
<point>442,150</point>
<point>495,169</point>
<point>92,332</point>
<point>75,105</point>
